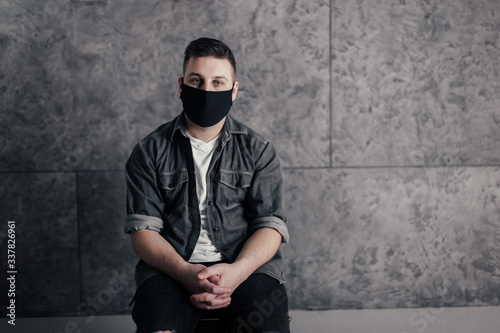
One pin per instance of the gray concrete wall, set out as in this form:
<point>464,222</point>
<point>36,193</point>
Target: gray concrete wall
<point>385,114</point>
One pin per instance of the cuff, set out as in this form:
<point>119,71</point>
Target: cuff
<point>273,223</point>
<point>138,222</point>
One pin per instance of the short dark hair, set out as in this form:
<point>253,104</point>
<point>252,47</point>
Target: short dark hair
<point>208,47</point>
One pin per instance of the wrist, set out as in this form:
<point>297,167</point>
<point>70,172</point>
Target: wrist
<point>180,270</point>
<point>243,269</point>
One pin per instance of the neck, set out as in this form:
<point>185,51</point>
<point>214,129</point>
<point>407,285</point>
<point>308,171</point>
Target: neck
<point>205,134</point>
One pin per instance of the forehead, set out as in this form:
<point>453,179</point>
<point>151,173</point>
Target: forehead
<point>209,67</point>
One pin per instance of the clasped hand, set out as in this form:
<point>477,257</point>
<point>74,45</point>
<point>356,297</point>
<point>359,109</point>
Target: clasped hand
<point>211,287</point>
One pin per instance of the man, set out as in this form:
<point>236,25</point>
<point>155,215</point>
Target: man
<point>204,210</point>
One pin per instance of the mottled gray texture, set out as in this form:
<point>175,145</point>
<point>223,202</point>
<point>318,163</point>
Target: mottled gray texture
<point>374,238</point>
<point>385,115</point>
<point>416,83</point>
<point>44,206</point>
<point>93,80</point>
<point>107,258</point>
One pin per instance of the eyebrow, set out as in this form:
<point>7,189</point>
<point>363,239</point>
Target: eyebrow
<point>215,77</point>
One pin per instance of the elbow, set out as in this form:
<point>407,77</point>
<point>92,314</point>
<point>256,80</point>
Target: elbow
<point>139,241</point>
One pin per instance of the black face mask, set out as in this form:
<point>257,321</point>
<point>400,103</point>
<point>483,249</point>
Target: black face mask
<point>205,108</point>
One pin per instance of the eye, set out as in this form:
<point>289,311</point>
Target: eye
<point>219,83</point>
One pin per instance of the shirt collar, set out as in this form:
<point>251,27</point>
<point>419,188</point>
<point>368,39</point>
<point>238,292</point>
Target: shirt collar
<point>179,126</point>
<point>231,126</point>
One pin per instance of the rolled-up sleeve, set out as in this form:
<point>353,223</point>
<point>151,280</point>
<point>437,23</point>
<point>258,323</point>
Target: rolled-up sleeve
<point>265,196</point>
<point>144,201</point>
<point>273,223</point>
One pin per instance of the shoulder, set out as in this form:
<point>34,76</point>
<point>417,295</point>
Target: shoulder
<point>157,142</point>
<point>251,141</point>
<point>238,129</point>
<point>162,135</point>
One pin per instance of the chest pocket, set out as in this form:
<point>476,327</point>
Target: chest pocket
<point>233,186</point>
<point>173,187</point>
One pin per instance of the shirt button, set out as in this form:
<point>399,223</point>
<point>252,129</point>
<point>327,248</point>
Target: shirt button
<point>195,231</point>
<point>210,203</point>
<point>216,229</point>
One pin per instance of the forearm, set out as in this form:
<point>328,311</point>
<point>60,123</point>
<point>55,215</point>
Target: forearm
<point>151,247</point>
<point>157,252</point>
<point>258,249</point>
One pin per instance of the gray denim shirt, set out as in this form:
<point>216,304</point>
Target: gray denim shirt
<point>244,192</point>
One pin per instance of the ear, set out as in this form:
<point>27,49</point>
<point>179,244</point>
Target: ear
<point>235,90</point>
<point>179,82</point>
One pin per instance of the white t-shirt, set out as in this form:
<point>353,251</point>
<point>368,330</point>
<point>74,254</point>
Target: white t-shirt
<point>204,250</point>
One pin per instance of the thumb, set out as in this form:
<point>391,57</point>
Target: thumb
<point>207,272</point>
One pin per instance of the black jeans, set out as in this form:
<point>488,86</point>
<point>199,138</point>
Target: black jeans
<point>260,304</point>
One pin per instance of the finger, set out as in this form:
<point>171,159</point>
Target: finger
<point>215,279</point>
<point>214,289</point>
<point>212,274</point>
<point>204,306</point>
<point>210,298</point>
<point>209,301</point>
<point>208,272</point>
